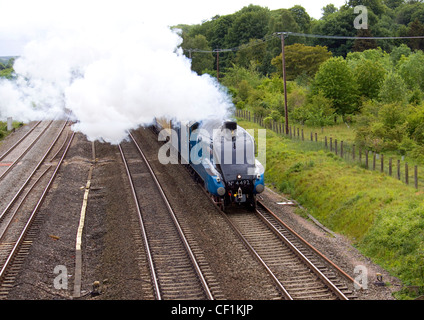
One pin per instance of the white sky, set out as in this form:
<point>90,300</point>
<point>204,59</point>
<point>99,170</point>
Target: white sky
<point>24,20</point>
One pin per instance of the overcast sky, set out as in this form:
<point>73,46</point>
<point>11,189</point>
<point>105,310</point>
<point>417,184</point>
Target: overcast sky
<point>24,20</point>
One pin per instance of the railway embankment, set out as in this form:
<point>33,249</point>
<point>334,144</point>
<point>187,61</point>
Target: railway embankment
<point>380,215</point>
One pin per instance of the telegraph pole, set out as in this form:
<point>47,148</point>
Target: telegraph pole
<point>283,34</point>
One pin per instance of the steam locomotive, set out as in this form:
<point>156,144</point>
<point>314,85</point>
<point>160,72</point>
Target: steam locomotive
<point>219,153</point>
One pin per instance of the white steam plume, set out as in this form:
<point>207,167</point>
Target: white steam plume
<point>113,78</point>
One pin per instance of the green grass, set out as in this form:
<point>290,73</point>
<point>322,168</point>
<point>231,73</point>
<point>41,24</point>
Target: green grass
<point>383,217</point>
<point>3,128</point>
<point>341,132</point>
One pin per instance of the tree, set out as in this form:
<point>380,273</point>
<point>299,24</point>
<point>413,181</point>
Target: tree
<point>328,10</point>
<point>254,51</point>
<point>302,18</point>
<point>318,111</point>
<point>369,76</point>
<point>393,89</point>
<point>393,4</point>
<point>411,69</point>
<point>364,44</point>
<point>336,82</point>
<point>250,23</point>
<point>416,28</point>
<point>200,61</point>
<point>398,52</point>
<point>301,59</point>
<point>376,6</point>
<point>339,23</point>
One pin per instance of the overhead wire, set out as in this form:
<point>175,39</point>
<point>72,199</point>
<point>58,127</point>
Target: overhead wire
<point>296,34</point>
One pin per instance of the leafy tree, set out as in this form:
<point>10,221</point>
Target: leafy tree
<point>318,111</point>
<point>255,51</point>
<point>302,18</point>
<point>381,127</point>
<point>398,52</point>
<point>301,59</point>
<point>250,23</point>
<point>415,125</point>
<point>364,44</point>
<point>336,82</point>
<point>339,23</point>
<point>328,10</point>
<point>411,69</point>
<point>393,89</point>
<point>408,12</point>
<point>416,28</point>
<point>369,76</point>
<point>6,71</point>
<point>200,61</point>
<point>376,6</point>
<point>393,4</point>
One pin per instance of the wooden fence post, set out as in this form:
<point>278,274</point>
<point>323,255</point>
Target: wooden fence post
<point>366,159</point>
<point>325,142</point>
<point>390,166</point>
<point>353,152</point>
<point>398,169</point>
<point>382,163</point>
<point>406,173</point>
<point>416,177</point>
<point>335,145</point>
<point>341,149</point>
<point>373,160</point>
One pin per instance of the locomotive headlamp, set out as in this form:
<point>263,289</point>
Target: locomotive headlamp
<point>239,176</point>
<point>218,179</point>
<point>258,176</point>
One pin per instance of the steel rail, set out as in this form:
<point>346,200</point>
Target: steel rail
<point>177,225</point>
<point>293,248</point>
<point>155,281</point>
<point>257,256</point>
<point>33,214</point>
<point>33,172</point>
<point>21,202</point>
<point>25,152</point>
<point>19,141</point>
<point>337,268</point>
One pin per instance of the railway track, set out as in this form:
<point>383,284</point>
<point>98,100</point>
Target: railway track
<point>11,157</point>
<point>299,271</point>
<point>19,219</point>
<point>175,269</point>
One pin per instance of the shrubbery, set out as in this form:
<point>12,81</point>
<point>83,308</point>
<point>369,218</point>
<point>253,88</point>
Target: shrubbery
<point>379,93</point>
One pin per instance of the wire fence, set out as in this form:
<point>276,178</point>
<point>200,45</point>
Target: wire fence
<point>351,153</point>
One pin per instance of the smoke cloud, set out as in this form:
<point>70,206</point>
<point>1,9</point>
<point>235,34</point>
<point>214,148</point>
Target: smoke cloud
<point>111,78</point>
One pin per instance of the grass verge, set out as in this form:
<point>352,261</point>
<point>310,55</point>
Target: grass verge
<point>383,217</point>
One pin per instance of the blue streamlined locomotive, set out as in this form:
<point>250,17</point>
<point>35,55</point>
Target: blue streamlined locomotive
<point>221,154</point>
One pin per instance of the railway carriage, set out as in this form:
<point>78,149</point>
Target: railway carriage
<point>222,155</point>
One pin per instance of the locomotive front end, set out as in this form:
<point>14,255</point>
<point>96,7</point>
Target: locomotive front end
<point>234,147</point>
